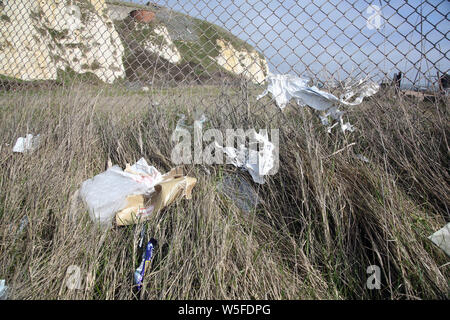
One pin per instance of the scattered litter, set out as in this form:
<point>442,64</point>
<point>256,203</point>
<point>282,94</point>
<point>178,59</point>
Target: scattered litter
<point>257,163</point>
<point>285,87</point>
<point>240,192</point>
<point>331,127</point>
<point>3,290</point>
<point>123,194</point>
<point>145,89</point>
<point>145,263</point>
<point>27,143</point>
<point>106,193</point>
<point>441,238</point>
<point>360,91</point>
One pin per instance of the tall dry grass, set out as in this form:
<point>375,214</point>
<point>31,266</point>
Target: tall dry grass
<point>326,215</point>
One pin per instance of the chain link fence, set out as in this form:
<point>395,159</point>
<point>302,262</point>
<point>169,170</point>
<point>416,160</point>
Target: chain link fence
<point>216,43</point>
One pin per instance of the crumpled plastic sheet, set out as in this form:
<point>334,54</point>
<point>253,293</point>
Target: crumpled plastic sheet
<point>441,238</point>
<point>143,173</point>
<point>133,194</point>
<point>239,191</point>
<point>29,143</point>
<point>257,163</point>
<point>285,87</point>
<point>106,193</point>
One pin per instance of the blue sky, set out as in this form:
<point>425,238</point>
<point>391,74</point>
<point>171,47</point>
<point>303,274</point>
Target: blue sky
<point>298,38</point>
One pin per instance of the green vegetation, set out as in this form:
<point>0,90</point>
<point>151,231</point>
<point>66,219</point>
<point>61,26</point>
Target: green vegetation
<point>68,76</point>
<point>209,33</point>
<point>199,54</point>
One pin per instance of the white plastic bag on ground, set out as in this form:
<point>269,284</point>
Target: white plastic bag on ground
<point>441,238</point>
<point>106,193</point>
<point>284,87</point>
<point>28,143</point>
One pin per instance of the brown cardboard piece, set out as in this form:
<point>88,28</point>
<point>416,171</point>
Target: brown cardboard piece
<point>139,208</point>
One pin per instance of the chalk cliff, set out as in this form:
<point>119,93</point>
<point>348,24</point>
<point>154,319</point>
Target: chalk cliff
<point>115,39</point>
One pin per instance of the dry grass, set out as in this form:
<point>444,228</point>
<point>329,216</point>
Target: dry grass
<point>326,215</point>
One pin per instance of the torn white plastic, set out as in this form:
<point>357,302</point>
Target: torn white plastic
<point>346,126</point>
<point>361,90</point>
<point>285,87</point>
<point>106,193</point>
<point>145,174</point>
<point>441,238</point>
<point>260,163</point>
<point>257,163</point>
<point>29,143</point>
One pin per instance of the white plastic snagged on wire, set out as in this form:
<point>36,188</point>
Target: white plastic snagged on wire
<point>284,87</point>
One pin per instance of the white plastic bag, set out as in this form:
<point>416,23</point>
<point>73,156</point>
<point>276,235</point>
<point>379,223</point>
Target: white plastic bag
<point>29,143</point>
<point>441,238</point>
<point>284,87</point>
<point>106,193</point>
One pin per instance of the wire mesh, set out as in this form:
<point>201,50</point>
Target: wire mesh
<point>189,43</point>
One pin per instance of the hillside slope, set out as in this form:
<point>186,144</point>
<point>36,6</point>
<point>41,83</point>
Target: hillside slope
<point>175,46</point>
<point>38,39</point>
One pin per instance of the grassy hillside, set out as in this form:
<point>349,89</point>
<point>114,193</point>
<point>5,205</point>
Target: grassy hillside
<point>324,218</point>
<point>197,46</point>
